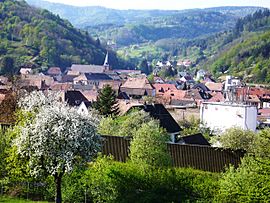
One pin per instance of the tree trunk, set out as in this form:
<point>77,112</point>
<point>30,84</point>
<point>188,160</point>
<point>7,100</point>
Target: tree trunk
<point>58,194</point>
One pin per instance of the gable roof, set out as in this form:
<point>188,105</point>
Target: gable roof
<point>214,86</point>
<point>161,88</point>
<point>60,86</point>
<point>159,112</point>
<point>54,71</point>
<point>217,97</point>
<point>93,76</point>
<point>137,83</point>
<point>196,139</point>
<point>201,86</point>
<point>75,98</point>
<point>88,68</point>
<point>68,78</point>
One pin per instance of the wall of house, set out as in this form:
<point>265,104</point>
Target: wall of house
<point>266,104</point>
<point>185,114</point>
<point>220,116</point>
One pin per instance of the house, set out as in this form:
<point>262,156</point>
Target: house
<point>186,63</point>
<point>115,84</point>
<point>4,83</point>
<point>138,87</point>
<point>231,83</point>
<point>55,72</point>
<point>88,81</point>
<point>128,72</point>
<point>201,87</point>
<point>200,74</point>
<point>3,80</point>
<point>90,95</point>
<point>2,97</point>
<point>221,116</point>
<point>196,139</point>
<point>41,81</point>
<point>216,97</point>
<point>162,88</point>
<point>87,68</point>
<point>26,71</point>
<point>187,79</point>
<point>77,99</point>
<point>56,86</point>
<point>158,80</point>
<point>160,113</point>
<point>177,98</point>
<point>214,87</point>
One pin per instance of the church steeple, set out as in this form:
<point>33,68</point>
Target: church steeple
<point>106,61</point>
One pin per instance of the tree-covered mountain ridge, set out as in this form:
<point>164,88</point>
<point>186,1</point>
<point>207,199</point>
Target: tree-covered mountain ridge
<point>37,38</point>
<point>245,50</point>
<point>126,27</point>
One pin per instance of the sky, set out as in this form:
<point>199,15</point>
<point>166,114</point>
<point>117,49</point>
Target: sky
<point>164,4</point>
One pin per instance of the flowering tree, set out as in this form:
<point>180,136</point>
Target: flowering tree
<point>57,139</point>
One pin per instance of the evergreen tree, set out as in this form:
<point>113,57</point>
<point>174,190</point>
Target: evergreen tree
<point>144,67</point>
<point>106,103</point>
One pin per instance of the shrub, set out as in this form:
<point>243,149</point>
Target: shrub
<point>111,181</point>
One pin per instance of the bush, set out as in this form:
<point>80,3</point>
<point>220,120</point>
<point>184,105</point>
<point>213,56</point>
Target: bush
<point>149,146</point>
<point>111,181</point>
<point>248,183</point>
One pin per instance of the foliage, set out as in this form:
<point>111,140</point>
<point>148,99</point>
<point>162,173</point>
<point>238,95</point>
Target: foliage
<point>32,37</point>
<point>236,138</point>
<point>57,139</point>
<point>106,103</point>
<point>246,53</point>
<point>111,181</point>
<point>125,125</point>
<point>149,146</point>
<point>262,144</point>
<point>194,126</point>
<point>145,67</point>
<point>248,183</point>
<point>16,200</point>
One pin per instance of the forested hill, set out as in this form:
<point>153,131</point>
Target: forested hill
<point>245,51</point>
<point>126,27</point>
<point>96,15</point>
<point>37,38</point>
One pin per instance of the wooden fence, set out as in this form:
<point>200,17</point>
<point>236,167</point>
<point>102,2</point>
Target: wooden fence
<point>195,156</point>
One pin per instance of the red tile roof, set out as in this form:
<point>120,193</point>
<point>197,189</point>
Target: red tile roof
<point>217,97</point>
<point>161,88</point>
<point>214,86</point>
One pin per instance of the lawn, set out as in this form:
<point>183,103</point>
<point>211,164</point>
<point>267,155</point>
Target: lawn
<point>17,200</point>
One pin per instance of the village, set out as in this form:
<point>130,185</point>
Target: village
<point>199,96</point>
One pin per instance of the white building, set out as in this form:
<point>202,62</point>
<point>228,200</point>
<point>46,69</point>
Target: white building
<point>231,83</point>
<point>221,116</point>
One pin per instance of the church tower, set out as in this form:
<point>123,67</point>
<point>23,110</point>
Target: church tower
<point>106,62</point>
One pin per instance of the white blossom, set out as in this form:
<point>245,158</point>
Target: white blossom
<point>58,136</point>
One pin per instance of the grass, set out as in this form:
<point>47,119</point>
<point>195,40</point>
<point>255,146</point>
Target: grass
<point>17,200</point>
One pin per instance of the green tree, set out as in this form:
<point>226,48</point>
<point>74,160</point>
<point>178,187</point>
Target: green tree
<point>106,103</point>
<point>149,145</point>
<point>237,138</point>
<point>125,125</point>
<point>248,183</point>
<point>144,67</point>
<point>7,66</point>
